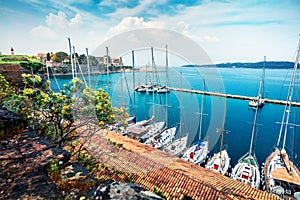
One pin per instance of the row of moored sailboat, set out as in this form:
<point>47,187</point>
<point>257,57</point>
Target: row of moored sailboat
<point>278,175</point>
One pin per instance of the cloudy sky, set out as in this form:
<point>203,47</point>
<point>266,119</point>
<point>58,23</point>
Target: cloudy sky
<point>227,30</point>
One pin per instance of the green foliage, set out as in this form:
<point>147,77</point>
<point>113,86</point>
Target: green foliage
<point>120,144</point>
<point>159,193</point>
<point>54,114</point>
<point>48,56</point>
<point>88,162</point>
<point>5,90</point>
<point>129,180</point>
<point>93,61</point>
<point>54,168</point>
<point>59,56</point>
<point>121,115</point>
<point>30,63</point>
<point>103,107</point>
<point>82,59</point>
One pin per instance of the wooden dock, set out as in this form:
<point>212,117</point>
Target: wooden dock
<point>232,96</point>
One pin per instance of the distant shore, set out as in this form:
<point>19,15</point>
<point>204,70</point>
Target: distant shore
<point>256,65</point>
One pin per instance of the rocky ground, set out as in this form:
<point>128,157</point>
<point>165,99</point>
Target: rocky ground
<point>31,169</point>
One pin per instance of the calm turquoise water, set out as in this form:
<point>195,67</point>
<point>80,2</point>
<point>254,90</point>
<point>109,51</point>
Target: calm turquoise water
<point>184,108</point>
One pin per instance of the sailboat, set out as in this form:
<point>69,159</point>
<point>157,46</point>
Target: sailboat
<point>176,147</point>
<point>168,134</point>
<point>164,89</point>
<point>154,128</point>
<point>145,86</point>
<point>247,168</point>
<point>197,153</point>
<point>281,176</point>
<point>259,102</point>
<point>220,161</point>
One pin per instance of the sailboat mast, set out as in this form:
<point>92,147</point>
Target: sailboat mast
<point>288,100</point>
<point>201,110</point>
<point>263,79</point>
<point>167,84</point>
<point>133,77</point>
<point>152,56</point>
<point>290,93</point>
<point>181,114</point>
<point>71,57</point>
<point>147,73</point>
<point>223,129</point>
<point>107,70</point>
<point>75,68</point>
<point>253,128</point>
<point>88,65</point>
<point>256,108</point>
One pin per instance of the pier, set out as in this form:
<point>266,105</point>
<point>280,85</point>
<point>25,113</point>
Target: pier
<point>232,96</point>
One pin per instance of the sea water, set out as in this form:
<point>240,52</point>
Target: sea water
<point>184,109</point>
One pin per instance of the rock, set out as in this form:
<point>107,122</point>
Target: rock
<point>61,154</point>
<point>122,191</point>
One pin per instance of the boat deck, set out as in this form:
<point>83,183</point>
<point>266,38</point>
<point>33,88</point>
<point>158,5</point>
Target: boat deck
<point>282,174</point>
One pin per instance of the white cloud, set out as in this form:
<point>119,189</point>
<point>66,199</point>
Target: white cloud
<point>76,21</point>
<point>78,1</point>
<point>140,9</point>
<point>130,23</point>
<point>60,21</point>
<point>43,33</point>
<point>112,3</point>
<point>228,30</point>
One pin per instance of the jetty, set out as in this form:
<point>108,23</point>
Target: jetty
<point>232,96</point>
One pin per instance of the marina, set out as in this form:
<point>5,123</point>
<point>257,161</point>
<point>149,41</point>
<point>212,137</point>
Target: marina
<point>174,100</point>
<point>186,140</point>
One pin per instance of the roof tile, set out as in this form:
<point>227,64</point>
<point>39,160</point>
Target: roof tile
<point>175,177</point>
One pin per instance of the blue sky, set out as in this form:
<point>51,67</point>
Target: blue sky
<point>228,30</point>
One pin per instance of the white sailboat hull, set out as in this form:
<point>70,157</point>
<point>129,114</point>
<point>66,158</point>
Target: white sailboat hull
<point>281,178</point>
<point>247,171</point>
<point>257,103</point>
<point>197,154</point>
<point>164,138</point>
<point>217,164</point>
<point>177,146</point>
<point>153,129</point>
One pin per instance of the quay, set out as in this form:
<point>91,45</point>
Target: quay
<point>273,101</point>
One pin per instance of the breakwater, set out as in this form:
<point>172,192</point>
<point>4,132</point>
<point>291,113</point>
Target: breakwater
<point>273,101</point>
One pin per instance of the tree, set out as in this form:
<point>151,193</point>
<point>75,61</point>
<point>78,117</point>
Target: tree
<point>32,65</point>
<point>57,115</point>
<point>93,61</point>
<point>59,56</point>
<point>82,59</point>
<point>48,56</point>
<point>5,90</point>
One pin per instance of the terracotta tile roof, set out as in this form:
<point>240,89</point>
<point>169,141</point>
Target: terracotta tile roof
<point>175,177</point>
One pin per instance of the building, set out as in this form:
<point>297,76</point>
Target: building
<point>12,51</point>
<point>42,56</point>
<point>110,61</point>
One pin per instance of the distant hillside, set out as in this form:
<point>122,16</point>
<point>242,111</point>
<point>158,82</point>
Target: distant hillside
<point>269,65</point>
